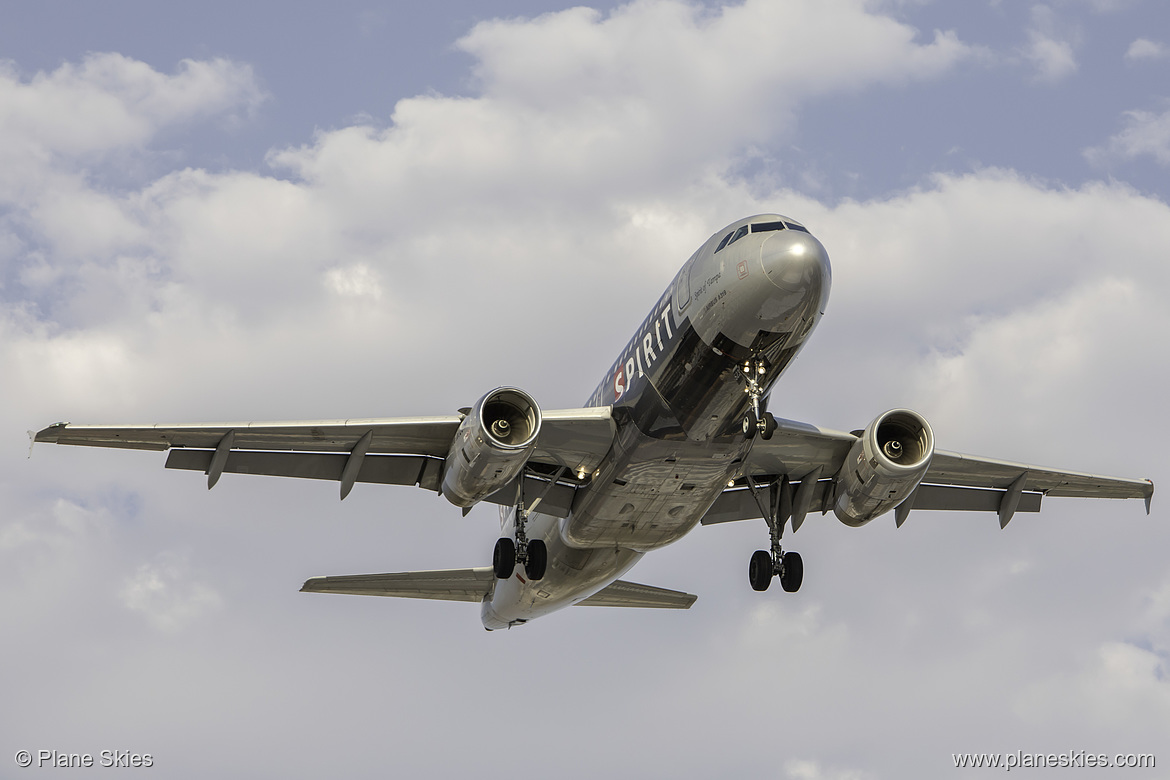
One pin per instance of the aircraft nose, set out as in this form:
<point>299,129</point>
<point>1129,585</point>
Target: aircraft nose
<point>797,264</point>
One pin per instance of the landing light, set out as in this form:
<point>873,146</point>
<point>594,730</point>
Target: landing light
<point>731,483</point>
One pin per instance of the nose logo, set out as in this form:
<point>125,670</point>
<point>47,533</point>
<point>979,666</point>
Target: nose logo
<point>742,268</point>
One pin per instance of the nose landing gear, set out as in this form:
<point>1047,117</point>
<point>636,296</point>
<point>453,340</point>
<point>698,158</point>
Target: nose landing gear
<point>774,562</point>
<point>753,421</point>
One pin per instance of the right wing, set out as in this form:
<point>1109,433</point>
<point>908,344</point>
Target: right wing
<point>399,451</point>
<point>954,481</point>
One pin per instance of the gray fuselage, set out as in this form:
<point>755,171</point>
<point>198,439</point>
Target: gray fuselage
<point>754,291</point>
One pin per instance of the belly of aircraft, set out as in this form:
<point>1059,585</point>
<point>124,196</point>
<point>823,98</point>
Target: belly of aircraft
<point>654,495</point>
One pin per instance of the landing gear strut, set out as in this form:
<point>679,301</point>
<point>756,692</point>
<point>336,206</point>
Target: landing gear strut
<point>753,421</point>
<point>774,562</point>
<point>532,554</point>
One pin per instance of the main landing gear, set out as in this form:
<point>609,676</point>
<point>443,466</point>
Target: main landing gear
<point>753,421</point>
<point>532,554</point>
<point>776,506</point>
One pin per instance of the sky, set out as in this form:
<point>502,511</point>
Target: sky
<point>281,211</point>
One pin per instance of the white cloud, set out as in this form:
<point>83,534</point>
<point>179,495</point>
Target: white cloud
<point>1051,46</point>
<point>1144,133</point>
<point>58,128</point>
<point>796,769</point>
<point>164,593</point>
<point>1103,6</point>
<point>517,236</point>
<point>541,168</point>
<point>110,101</point>
<point>1145,49</point>
<point>354,281</point>
<point>1054,59</point>
<point>1122,686</point>
<point>594,103</point>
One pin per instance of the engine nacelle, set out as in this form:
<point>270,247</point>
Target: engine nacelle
<point>883,467</point>
<point>491,445</point>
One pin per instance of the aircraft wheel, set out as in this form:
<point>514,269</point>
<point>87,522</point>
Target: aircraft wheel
<point>791,572</point>
<point>504,558</point>
<point>769,425</point>
<point>750,425</point>
<point>537,559</point>
<point>760,570</point>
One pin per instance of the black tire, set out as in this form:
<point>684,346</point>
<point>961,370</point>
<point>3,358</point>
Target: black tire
<point>792,572</point>
<point>537,560</point>
<point>769,425</point>
<point>504,558</point>
<point>760,570</point>
<point>751,425</point>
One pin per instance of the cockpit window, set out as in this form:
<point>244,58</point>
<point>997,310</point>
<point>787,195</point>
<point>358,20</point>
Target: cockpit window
<point>759,227</point>
<point>764,227</point>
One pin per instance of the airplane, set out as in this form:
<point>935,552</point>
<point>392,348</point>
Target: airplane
<point>677,434</point>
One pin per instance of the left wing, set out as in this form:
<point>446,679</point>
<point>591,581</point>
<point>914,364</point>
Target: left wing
<point>478,585</point>
<point>954,481</point>
<point>398,451</point>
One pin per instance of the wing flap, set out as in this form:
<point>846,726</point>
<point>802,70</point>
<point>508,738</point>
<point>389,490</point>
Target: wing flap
<point>951,497</point>
<point>445,584</point>
<point>632,594</point>
<point>384,469</point>
<point>738,504</point>
<point>377,469</point>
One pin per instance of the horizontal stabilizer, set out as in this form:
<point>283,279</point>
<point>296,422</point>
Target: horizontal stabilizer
<point>445,584</point>
<point>631,594</point>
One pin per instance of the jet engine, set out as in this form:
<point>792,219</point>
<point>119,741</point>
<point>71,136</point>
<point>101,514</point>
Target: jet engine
<point>883,467</point>
<point>491,445</point>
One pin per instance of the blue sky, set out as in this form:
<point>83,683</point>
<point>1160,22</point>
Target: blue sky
<point>278,213</point>
<point>322,68</point>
